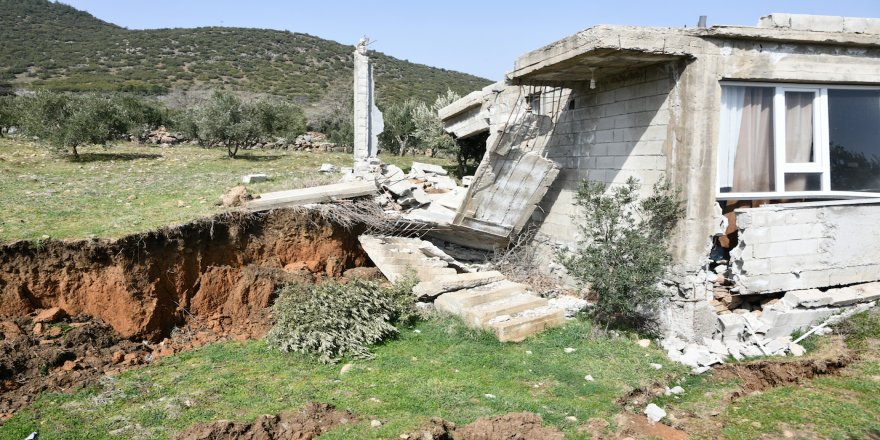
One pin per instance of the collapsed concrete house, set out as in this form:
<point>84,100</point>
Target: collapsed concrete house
<point>772,133</point>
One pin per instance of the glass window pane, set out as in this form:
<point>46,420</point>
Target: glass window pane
<point>803,182</point>
<point>799,127</point>
<point>745,162</point>
<point>854,131</point>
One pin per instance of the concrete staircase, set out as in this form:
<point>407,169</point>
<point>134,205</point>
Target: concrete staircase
<point>482,299</point>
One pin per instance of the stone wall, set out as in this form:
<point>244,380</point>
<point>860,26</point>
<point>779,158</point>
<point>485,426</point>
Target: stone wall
<point>804,246</point>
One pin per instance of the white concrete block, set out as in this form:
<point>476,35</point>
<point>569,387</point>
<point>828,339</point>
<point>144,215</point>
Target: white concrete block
<point>810,299</point>
<point>254,178</point>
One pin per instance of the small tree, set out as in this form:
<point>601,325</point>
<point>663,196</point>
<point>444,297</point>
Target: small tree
<point>400,128</point>
<point>67,121</point>
<point>623,254</point>
<point>225,119</point>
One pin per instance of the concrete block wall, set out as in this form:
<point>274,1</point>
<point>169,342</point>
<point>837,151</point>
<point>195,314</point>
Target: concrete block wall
<point>786,247</point>
<point>617,131</point>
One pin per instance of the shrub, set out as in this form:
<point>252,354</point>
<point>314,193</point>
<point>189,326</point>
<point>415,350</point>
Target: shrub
<point>623,254</point>
<point>333,320</point>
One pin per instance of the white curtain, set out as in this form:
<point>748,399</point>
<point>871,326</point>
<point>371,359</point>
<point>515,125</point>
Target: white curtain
<point>753,162</point>
<point>732,99</point>
<point>798,135</point>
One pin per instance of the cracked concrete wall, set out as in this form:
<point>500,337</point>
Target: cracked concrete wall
<point>669,118</point>
<point>789,247</point>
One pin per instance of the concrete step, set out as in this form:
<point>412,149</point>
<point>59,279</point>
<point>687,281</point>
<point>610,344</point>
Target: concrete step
<point>440,285</point>
<point>526,324</point>
<point>481,314</point>
<point>457,301</point>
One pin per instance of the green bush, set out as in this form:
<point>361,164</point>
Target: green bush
<point>332,320</point>
<point>624,251</point>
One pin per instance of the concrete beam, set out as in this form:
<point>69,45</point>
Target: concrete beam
<point>316,194</point>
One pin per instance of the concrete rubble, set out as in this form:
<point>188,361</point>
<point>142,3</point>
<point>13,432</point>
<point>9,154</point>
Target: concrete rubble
<point>768,331</point>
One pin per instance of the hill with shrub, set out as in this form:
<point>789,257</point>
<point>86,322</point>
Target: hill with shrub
<point>47,45</point>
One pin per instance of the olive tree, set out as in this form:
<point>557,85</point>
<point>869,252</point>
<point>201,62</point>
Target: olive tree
<point>225,119</point>
<point>67,121</point>
<point>400,127</point>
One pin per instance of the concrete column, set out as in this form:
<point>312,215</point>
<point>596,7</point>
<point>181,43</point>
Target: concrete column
<point>368,122</point>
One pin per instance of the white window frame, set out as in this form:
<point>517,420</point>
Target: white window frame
<point>821,145</point>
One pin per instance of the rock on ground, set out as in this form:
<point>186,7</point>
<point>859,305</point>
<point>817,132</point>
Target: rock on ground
<point>309,423</point>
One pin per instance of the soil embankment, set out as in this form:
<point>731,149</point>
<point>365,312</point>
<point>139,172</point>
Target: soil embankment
<point>221,271</point>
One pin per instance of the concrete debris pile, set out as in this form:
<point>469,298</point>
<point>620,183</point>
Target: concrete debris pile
<point>161,136</point>
<point>767,331</point>
<point>426,184</point>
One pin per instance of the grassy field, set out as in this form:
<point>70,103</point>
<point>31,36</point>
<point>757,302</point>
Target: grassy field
<point>443,369</point>
<point>131,188</point>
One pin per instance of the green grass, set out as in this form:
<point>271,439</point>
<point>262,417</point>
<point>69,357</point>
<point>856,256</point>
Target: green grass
<point>443,370</point>
<point>131,188</point>
<point>844,405</point>
<point>836,407</point>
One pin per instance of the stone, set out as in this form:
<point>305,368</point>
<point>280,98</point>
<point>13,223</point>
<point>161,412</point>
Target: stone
<point>654,413</point>
<point>489,396</point>
<point>796,349</point>
<point>673,343</point>
<point>644,343</point>
<point>655,366</point>
<point>715,346</point>
<point>132,358</point>
<point>571,419</point>
<point>674,391</point>
<point>254,178</point>
<point>10,330</point>
<point>700,370</point>
<point>589,378</point>
<point>734,348</point>
<point>696,355</point>
<point>70,366</point>
<point>346,368</point>
<point>732,327</point>
<point>777,345</point>
<point>38,328</point>
<point>54,332</point>
<point>375,423</point>
<point>327,168</point>
<point>50,315</point>
<point>570,304</point>
<point>569,350</point>
<point>466,181</point>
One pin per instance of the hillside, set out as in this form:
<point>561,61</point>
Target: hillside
<point>55,46</point>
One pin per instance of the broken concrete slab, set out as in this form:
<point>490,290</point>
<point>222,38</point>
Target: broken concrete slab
<point>421,169</point>
<point>430,289</point>
<point>810,298</point>
<point>522,325</point>
<point>315,194</point>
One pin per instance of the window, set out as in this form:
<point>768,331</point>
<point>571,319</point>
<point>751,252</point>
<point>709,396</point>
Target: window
<point>783,141</point>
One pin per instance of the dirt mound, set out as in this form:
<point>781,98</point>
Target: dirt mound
<point>220,272</point>
<point>57,357</point>
<point>761,375</point>
<point>513,426</point>
<point>312,421</point>
<point>237,196</point>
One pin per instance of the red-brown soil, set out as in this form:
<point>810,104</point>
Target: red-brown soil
<point>220,271</point>
<point>512,426</point>
<point>58,356</point>
<point>312,421</point>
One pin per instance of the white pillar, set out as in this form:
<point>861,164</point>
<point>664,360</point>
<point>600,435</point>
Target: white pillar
<point>368,122</point>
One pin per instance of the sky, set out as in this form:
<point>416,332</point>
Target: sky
<point>478,37</point>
